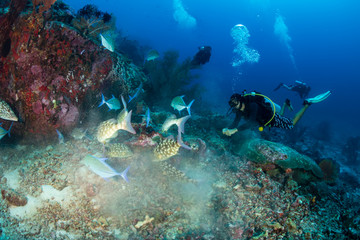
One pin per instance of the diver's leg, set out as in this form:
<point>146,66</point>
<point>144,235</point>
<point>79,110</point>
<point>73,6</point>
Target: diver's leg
<point>281,122</point>
<point>287,104</point>
<point>300,113</point>
<point>308,102</point>
<point>288,87</point>
<point>282,109</point>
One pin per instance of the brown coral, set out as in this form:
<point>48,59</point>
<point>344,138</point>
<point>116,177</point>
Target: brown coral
<point>14,198</point>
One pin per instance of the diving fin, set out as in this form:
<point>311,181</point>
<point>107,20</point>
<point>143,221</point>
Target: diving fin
<point>318,98</point>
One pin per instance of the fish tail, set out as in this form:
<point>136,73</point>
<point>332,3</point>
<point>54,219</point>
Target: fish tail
<point>180,141</point>
<point>123,101</point>
<point>181,124</point>
<point>188,106</point>
<point>10,128</point>
<point>102,100</point>
<point>130,98</point>
<point>123,174</point>
<point>128,127</point>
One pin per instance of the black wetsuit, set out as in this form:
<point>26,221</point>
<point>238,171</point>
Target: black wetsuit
<point>302,89</point>
<point>258,112</point>
<point>201,57</point>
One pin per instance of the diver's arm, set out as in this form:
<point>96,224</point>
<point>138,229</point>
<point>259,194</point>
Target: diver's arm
<point>232,129</point>
<point>251,121</point>
<point>236,120</point>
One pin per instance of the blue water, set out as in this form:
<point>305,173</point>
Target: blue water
<point>325,46</point>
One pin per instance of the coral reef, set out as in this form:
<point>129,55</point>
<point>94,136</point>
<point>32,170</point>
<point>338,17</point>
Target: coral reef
<point>266,152</point>
<point>350,150</point>
<point>50,68</point>
<point>233,198</point>
<point>90,21</point>
<point>330,169</point>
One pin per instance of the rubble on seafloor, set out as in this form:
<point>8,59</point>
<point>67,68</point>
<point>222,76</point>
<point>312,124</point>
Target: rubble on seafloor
<point>233,197</point>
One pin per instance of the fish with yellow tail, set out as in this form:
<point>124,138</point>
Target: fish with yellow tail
<point>109,128</point>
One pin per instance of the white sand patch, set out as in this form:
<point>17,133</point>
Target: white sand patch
<point>49,193</point>
<point>52,194</point>
<point>13,178</point>
<point>28,210</point>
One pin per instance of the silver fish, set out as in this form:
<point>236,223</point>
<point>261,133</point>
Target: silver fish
<point>180,122</point>
<point>107,43</point>
<point>113,103</point>
<point>101,168</point>
<point>3,132</point>
<point>152,55</point>
<point>179,104</point>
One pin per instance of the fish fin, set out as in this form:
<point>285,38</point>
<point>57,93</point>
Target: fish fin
<point>130,98</point>
<point>10,128</point>
<point>171,137</point>
<point>128,127</point>
<point>182,122</point>
<point>101,159</point>
<point>102,100</point>
<point>123,101</point>
<point>180,141</point>
<point>188,106</point>
<point>123,174</point>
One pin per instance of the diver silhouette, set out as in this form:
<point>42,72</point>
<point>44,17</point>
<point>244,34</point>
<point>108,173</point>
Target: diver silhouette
<point>260,111</point>
<point>201,57</point>
<point>300,87</point>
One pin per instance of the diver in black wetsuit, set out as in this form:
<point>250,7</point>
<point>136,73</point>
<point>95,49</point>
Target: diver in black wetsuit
<point>201,57</point>
<point>260,110</point>
<point>300,87</point>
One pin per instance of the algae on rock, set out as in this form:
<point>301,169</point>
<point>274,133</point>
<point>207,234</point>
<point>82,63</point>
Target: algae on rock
<point>263,152</point>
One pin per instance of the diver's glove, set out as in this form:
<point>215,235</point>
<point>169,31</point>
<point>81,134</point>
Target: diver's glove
<point>229,132</point>
<point>318,98</point>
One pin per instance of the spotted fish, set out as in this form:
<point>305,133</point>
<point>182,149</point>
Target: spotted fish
<point>6,112</point>
<point>168,147</point>
<point>109,128</point>
<point>118,150</point>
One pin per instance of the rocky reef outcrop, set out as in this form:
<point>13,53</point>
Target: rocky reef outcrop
<point>48,68</point>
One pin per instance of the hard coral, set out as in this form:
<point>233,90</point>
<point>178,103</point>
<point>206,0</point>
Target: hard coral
<point>330,169</point>
<point>47,67</point>
<point>266,152</point>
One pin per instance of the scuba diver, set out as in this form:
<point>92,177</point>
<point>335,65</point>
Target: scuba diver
<point>201,57</point>
<point>300,87</point>
<point>260,110</point>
